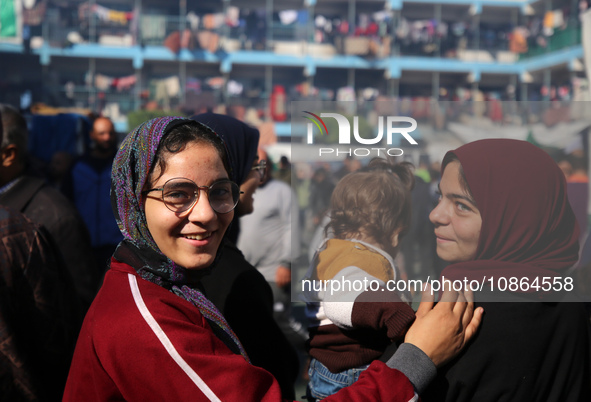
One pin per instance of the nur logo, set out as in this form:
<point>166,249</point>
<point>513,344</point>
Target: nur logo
<point>345,128</point>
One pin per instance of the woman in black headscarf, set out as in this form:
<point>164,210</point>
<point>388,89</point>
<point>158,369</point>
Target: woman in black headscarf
<point>236,287</point>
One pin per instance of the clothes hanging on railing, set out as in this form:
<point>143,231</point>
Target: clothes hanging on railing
<point>233,16</point>
<point>193,85</point>
<point>34,16</point>
<point>104,14</point>
<point>164,89</point>
<point>103,82</point>
<point>125,83</point>
<point>153,27</point>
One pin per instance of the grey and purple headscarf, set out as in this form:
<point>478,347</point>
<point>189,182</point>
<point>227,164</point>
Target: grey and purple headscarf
<point>131,168</point>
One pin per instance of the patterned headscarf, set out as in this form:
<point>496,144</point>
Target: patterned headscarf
<point>131,168</point>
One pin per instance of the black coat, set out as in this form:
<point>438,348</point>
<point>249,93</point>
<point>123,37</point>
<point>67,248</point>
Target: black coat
<point>525,351</point>
<point>39,315</point>
<point>245,298</point>
<point>49,208</point>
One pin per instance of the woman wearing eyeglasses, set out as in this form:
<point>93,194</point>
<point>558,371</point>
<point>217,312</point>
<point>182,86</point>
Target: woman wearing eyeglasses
<point>151,334</point>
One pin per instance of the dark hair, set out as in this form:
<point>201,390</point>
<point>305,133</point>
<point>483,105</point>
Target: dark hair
<point>375,199</point>
<point>177,139</point>
<point>15,130</point>
<point>451,157</point>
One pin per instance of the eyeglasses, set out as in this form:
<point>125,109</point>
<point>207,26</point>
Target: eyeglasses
<point>180,194</point>
<point>261,169</point>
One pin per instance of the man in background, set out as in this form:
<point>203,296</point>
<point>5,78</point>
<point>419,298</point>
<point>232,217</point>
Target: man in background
<point>89,186</point>
<point>44,205</point>
<point>266,241</point>
<point>39,311</point>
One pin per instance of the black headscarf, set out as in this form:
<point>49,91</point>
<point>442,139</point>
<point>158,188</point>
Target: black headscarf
<point>241,140</point>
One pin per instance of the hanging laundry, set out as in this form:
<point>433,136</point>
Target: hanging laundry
<point>70,89</point>
<point>9,19</point>
<point>193,20</point>
<point>495,109</point>
<point>232,16</point>
<point>369,94</point>
<point>343,27</point>
<point>34,16</point>
<point>193,85</point>
<point>153,27</point>
<point>208,40</point>
<point>164,89</point>
<point>363,21</point>
<point>403,29</point>
<point>430,25</point>
<point>101,12</point>
<point>213,21</point>
<point>558,18</point>
<point>218,20</point>
<point>119,17</point>
<point>125,83</point>
<point>288,17</point>
<point>459,28</point>
<point>303,17</point>
<point>278,103</point>
<point>102,82</point>
<point>346,94</point>
<point>548,23</point>
<point>234,88</point>
<point>380,16</point>
<point>518,40</point>
<point>320,21</point>
<point>215,82</point>
<point>173,42</point>
<point>107,15</point>
<point>188,40</point>
<point>173,85</point>
<point>161,94</point>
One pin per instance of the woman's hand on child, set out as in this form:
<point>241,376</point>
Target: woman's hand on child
<point>441,331</point>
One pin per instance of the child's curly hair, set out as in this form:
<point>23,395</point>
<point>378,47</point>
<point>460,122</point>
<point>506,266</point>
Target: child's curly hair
<point>375,199</point>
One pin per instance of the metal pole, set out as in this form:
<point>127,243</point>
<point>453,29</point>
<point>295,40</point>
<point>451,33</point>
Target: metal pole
<point>138,89</point>
<point>91,23</point>
<point>351,78</point>
<point>352,14</point>
<point>268,90</point>
<point>92,88</point>
<point>438,21</point>
<point>547,83</point>
<point>269,24</point>
<point>435,87</point>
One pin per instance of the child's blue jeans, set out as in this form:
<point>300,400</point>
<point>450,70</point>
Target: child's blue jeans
<point>323,383</point>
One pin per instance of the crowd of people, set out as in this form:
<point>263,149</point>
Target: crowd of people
<point>191,298</point>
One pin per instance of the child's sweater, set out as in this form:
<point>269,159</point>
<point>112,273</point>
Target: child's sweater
<point>351,327</point>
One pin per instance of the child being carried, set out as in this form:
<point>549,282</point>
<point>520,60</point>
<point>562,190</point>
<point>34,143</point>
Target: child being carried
<point>353,316</point>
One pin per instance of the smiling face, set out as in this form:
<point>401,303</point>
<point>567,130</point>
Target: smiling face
<point>456,218</point>
<point>190,238</point>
